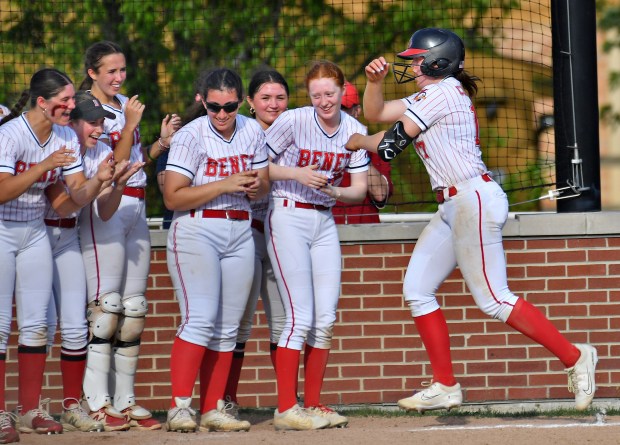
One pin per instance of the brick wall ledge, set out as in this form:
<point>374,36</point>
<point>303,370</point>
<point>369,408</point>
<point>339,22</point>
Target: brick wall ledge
<point>408,226</point>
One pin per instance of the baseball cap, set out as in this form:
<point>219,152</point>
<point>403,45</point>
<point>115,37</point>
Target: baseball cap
<point>89,108</point>
<point>350,97</point>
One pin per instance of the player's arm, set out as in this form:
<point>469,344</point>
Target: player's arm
<point>378,185</point>
<point>307,176</point>
<point>376,109</point>
<point>260,186</point>
<point>60,200</point>
<point>84,190</point>
<point>169,125</point>
<point>13,186</point>
<point>387,144</point>
<point>180,195</point>
<point>110,197</point>
<point>355,193</point>
<point>133,114</point>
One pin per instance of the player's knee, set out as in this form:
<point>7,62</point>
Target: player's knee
<point>102,316</point>
<point>135,306</point>
<point>130,326</point>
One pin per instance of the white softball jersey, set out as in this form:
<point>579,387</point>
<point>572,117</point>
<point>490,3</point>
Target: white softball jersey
<point>449,144</point>
<point>21,150</point>
<point>296,139</point>
<point>199,152</point>
<point>112,130</point>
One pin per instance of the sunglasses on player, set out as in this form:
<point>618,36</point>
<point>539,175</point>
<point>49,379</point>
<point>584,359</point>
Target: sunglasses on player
<point>227,107</point>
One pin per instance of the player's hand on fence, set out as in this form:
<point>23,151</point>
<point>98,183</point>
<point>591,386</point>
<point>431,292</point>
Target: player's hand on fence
<point>63,157</point>
<point>169,125</point>
<point>133,112</point>
<point>310,178</point>
<point>377,69</point>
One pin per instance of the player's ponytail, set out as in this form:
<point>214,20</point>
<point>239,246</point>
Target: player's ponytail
<point>17,108</point>
<point>468,81</point>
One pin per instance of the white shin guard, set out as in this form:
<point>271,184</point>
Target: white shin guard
<point>96,376</point>
<point>122,376</point>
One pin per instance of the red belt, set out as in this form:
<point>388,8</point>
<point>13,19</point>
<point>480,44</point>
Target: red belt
<point>258,225</point>
<point>226,214</point>
<point>63,223</point>
<point>304,205</point>
<point>134,192</point>
<point>452,191</point>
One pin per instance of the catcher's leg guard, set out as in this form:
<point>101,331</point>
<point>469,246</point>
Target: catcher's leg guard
<point>96,376</point>
<point>126,349</point>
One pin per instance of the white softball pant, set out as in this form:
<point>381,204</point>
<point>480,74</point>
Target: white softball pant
<point>264,284</point>
<point>26,270</point>
<point>466,231</point>
<point>69,290</point>
<point>305,253</point>
<point>211,264</point>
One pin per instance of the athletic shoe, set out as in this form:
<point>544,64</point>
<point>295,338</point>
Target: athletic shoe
<point>219,420</point>
<point>75,418</point>
<point>335,420</point>
<point>8,432</point>
<point>581,376</point>
<point>181,418</point>
<point>231,407</point>
<point>299,419</point>
<point>39,421</point>
<point>436,396</point>
<point>140,418</point>
<point>111,418</point>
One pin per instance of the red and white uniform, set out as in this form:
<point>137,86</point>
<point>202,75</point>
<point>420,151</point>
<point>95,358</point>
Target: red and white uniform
<point>211,258</point>
<point>302,238</point>
<point>467,228</point>
<point>24,247</point>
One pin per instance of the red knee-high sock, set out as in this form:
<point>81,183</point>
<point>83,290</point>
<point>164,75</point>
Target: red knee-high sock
<point>185,361</point>
<point>286,375</point>
<point>273,348</point>
<point>235,372</point>
<point>31,364</point>
<point>72,366</point>
<point>528,320</point>
<point>213,377</point>
<point>315,363</point>
<point>433,331</point>
<point>2,381</point>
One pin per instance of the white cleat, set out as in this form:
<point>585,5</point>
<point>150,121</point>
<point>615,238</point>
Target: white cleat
<point>299,419</point>
<point>75,418</point>
<point>335,420</point>
<point>220,420</point>
<point>182,418</point>
<point>436,396</point>
<point>581,376</point>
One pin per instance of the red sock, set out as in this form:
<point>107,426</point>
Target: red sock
<point>185,361</point>
<point>433,331</point>
<point>286,374</point>
<point>72,366</point>
<point>235,372</point>
<point>273,348</point>
<point>2,381</point>
<point>213,376</point>
<point>528,320</point>
<point>31,365</point>
<point>315,363</point>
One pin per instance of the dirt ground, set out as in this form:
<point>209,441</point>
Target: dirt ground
<point>424,430</point>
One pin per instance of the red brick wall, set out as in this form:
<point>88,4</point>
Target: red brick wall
<point>377,356</point>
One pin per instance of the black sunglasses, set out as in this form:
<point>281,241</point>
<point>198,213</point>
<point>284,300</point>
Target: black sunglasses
<point>228,107</point>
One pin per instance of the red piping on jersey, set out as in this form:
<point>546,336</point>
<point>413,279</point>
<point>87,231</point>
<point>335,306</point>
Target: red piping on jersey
<point>288,293</point>
<point>484,268</point>
<point>92,235</point>
<point>176,263</point>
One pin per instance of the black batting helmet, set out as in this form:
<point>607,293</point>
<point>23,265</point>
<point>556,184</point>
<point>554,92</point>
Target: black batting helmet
<point>442,50</point>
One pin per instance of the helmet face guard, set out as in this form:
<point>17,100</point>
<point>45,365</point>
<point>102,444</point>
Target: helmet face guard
<point>401,72</point>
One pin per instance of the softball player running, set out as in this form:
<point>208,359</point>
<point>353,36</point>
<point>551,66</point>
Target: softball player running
<point>215,164</point>
<point>116,289</point>
<point>467,228</point>
<point>307,147</point>
<point>69,287</point>
<point>37,147</point>
<point>268,97</point>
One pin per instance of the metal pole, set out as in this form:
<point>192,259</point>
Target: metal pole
<point>576,114</point>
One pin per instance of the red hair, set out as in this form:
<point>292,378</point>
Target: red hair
<point>325,69</point>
